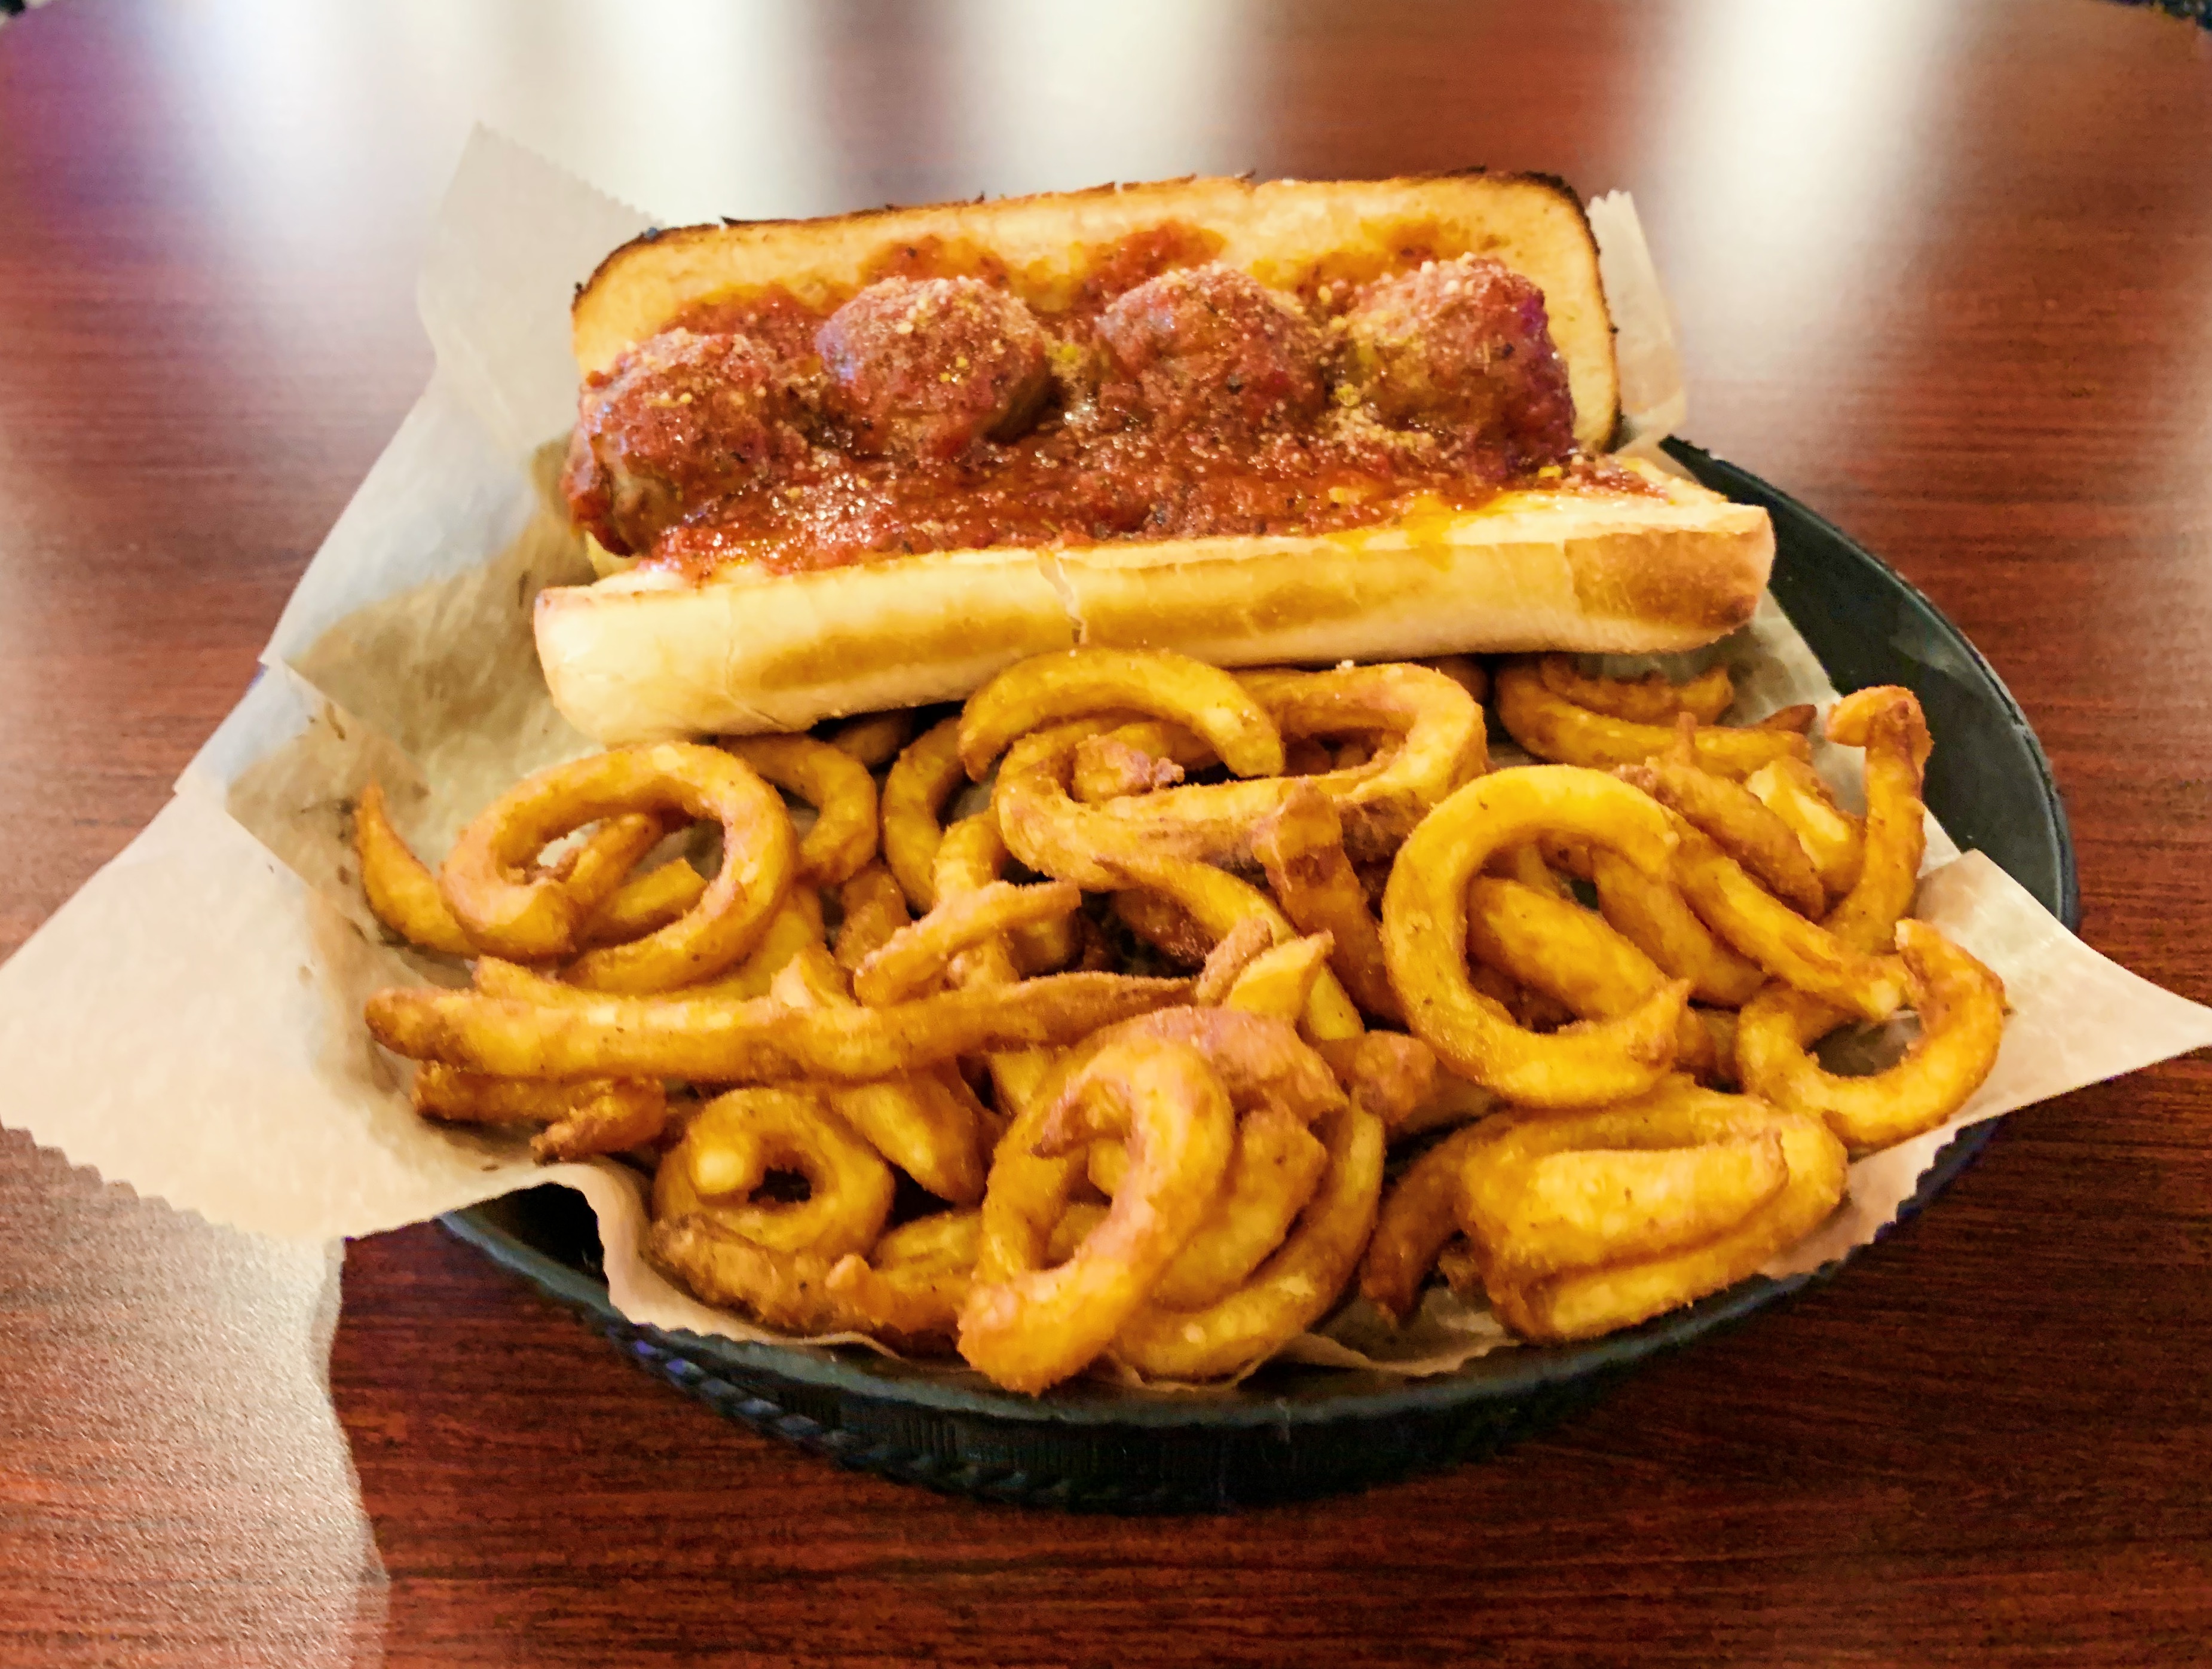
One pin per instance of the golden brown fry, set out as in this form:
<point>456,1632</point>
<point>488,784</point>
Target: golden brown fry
<point>1075,684</point>
<point>1379,802</point>
<point>1397,1079</point>
<point>1135,759</point>
<point>924,1124</point>
<point>595,868</point>
<point>1218,901</point>
<point>1226,962</point>
<point>1259,1058</point>
<point>970,858</point>
<point>644,904</point>
<point>1887,721</point>
<point>1030,1327</point>
<point>1799,953</point>
<point>1526,865</point>
<point>1164,925</point>
<point>1650,699</point>
<point>580,1118</point>
<point>1301,845</point>
<point>910,1288</point>
<point>838,787</point>
<point>1553,728</point>
<point>788,1291</point>
<point>874,739</point>
<point>1961,1003</point>
<point>1586,1209</point>
<point>1740,823</point>
<point>1419,1214</point>
<point>915,957</point>
<point>1295,1288</point>
<point>733,1142</point>
<point>1569,954</point>
<point>796,927</point>
<point>505,910</point>
<point>1273,1171</point>
<point>713,1042</point>
<point>1424,937</point>
<point>1584,1303</point>
<point>1279,981</point>
<point>1832,837</point>
<point>400,890</point>
<point>914,798</point>
<point>874,907</point>
<point>1652,914</point>
<point>1049,831</point>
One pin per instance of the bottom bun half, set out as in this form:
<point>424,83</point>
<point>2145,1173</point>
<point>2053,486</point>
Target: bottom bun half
<point>649,655</point>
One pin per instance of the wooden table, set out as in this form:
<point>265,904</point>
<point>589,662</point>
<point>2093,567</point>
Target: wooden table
<point>1942,270</point>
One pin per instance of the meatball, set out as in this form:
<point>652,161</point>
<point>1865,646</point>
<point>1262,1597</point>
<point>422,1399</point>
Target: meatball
<point>1463,347</point>
<point>924,368</point>
<point>1210,347</point>
<point>677,421</point>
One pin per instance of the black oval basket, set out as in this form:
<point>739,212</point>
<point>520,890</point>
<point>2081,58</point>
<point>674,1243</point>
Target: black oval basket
<point>1289,1431</point>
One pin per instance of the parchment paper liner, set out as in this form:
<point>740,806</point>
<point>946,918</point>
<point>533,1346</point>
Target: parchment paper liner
<point>190,1021</point>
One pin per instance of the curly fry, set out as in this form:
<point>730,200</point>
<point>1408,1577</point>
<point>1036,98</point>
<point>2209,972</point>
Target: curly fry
<point>1425,937</point>
<point>1555,729</point>
<point>737,1139</point>
<point>1650,699</point>
<point>838,787</point>
<point>921,781</point>
<point>401,890</point>
<point>1301,844</point>
<point>1961,1003</point>
<point>1032,1327</point>
<point>1074,684</point>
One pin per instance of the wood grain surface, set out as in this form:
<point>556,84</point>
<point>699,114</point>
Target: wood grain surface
<point>1942,270</point>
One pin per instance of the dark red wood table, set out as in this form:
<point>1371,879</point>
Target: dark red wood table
<point>1943,270</point>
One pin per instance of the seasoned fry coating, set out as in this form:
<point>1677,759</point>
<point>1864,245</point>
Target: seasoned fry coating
<point>644,904</point>
<point>1571,956</point>
<point>737,1139</point>
<point>1582,1303</point>
<point>1651,911</point>
<point>507,910</point>
<point>788,1291</point>
<point>1218,901</point>
<point>719,1041</point>
<point>1238,948</point>
<point>1832,837</point>
<point>838,787</point>
<point>874,907</point>
<point>915,957</point>
<point>1301,844</point>
<point>1279,981</point>
<point>922,780</point>
<point>1295,1288</point>
<point>1650,699</point>
<point>1961,1005</point>
<point>400,890</point>
<point>1029,1327</point>
<point>1424,937</point>
<point>1799,953</point>
<point>909,1289</point>
<point>1887,722</point>
<point>1739,822</point>
<point>1553,728</point>
<point>1164,925</point>
<point>1418,1216</point>
<point>582,1118</point>
<point>1075,684</point>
